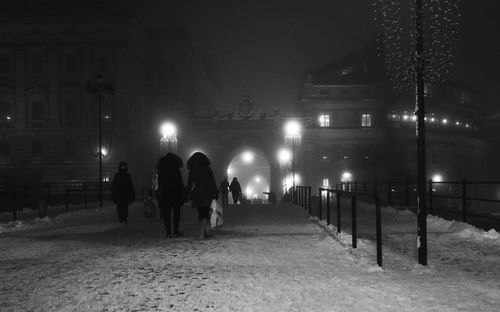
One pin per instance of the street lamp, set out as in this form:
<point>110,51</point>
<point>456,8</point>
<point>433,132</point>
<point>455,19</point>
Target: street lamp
<point>100,89</point>
<point>292,132</point>
<point>168,141</point>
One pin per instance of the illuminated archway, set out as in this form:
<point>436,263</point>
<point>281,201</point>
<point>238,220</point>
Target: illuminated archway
<point>253,171</point>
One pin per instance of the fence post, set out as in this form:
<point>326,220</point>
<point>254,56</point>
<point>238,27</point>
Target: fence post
<point>85,196</point>
<point>309,200</point>
<point>431,200</point>
<point>407,193</point>
<point>67,199</point>
<point>364,187</point>
<point>49,202</point>
<point>338,211</point>
<point>389,194</point>
<point>378,219</point>
<point>327,208</point>
<point>320,203</point>
<point>375,187</point>
<point>464,200</point>
<point>14,206</point>
<point>354,222</point>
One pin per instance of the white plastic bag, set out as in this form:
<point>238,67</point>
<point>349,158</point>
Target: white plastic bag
<point>216,218</point>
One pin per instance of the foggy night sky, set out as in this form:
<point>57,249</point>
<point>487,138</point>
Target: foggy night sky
<point>263,47</point>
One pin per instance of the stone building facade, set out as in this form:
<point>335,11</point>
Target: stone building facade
<point>359,128</point>
<point>49,56</point>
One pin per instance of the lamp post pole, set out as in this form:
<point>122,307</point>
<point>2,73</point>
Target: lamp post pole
<point>99,95</point>
<point>293,170</point>
<point>421,163</point>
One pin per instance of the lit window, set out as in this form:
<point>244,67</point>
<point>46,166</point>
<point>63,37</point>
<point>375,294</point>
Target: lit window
<point>324,120</point>
<point>366,120</point>
<point>326,183</point>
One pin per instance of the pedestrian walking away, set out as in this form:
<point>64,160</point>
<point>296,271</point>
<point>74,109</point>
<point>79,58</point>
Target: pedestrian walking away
<point>224,190</point>
<point>122,191</point>
<point>201,188</point>
<point>170,192</point>
<point>235,189</point>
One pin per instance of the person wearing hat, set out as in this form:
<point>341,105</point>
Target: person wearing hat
<point>122,191</point>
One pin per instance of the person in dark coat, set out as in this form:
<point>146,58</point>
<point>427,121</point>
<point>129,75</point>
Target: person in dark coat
<point>224,190</point>
<point>235,188</point>
<point>122,191</point>
<point>201,188</point>
<point>170,192</point>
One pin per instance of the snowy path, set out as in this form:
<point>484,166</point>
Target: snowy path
<point>265,258</point>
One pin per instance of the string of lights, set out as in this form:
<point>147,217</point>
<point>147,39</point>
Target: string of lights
<point>397,39</point>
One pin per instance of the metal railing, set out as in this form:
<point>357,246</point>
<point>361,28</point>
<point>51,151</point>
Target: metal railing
<point>459,200</point>
<point>324,202</point>
<point>37,196</point>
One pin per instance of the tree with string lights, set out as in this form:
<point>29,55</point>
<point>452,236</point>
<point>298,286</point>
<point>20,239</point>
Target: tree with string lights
<point>418,38</point>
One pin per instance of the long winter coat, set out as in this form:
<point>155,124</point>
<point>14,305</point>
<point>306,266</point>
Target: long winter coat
<point>171,188</point>
<point>201,186</point>
<point>122,188</point>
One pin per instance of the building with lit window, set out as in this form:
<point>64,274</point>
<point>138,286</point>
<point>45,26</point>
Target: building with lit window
<point>359,128</point>
<point>51,52</point>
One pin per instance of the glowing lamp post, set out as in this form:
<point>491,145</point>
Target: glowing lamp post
<point>99,88</point>
<point>284,158</point>
<point>168,141</point>
<point>293,133</point>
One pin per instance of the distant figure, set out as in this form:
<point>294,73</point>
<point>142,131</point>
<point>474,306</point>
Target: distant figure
<point>224,190</point>
<point>170,192</point>
<point>201,188</point>
<point>149,205</point>
<point>122,191</point>
<point>235,189</point>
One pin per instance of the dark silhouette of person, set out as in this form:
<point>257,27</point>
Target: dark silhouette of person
<point>170,192</point>
<point>201,188</point>
<point>235,188</point>
<point>122,191</point>
<point>224,190</point>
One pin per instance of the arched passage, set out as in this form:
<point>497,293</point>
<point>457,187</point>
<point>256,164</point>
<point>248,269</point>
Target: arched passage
<point>252,169</point>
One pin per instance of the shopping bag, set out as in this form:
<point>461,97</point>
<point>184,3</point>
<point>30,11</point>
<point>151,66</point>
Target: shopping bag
<point>216,218</point>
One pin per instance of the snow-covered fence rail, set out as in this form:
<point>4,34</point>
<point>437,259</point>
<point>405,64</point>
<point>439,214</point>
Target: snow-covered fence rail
<point>323,201</point>
<point>38,196</point>
<point>476,202</point>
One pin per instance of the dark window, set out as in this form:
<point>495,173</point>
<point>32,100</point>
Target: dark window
<point>70,64</point>
<point>37,148</point>
<point>345,91</point>
<point>38,113</point>
<point>70,148</point>
<point>70,174</point>
<point>37,175</point>
<point>4,64</point>
<point>5,109</point>
<point>171,75</point>
<point>71,110</point>
<point>4,149</point>
<point>324,92</point>
<point>37,64</point>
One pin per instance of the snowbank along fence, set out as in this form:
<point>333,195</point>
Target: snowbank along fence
<point>476,202</point>
<point>323,201</point>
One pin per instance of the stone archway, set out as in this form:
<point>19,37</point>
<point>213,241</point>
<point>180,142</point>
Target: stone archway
<point>252,169</point>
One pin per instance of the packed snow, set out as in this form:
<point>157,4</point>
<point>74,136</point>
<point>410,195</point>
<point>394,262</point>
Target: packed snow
<point>264,258</point>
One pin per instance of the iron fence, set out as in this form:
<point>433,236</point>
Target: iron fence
<point>323,201</point>
<point>38,196</point>
<point>476,202</point>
